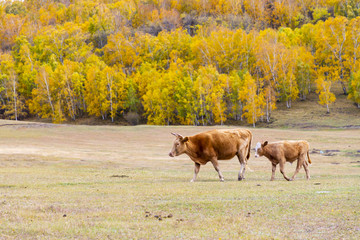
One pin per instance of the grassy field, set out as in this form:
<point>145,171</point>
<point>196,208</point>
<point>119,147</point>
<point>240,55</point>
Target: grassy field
<point>112,182</point>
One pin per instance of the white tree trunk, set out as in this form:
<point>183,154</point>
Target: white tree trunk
<point>15,98</point>
<point>48,94</point>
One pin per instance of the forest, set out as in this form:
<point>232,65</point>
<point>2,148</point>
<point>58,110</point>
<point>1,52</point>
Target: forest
<point>166,62</point>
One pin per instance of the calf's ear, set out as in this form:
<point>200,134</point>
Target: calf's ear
<point>265,143</point>
<point>185,139</point>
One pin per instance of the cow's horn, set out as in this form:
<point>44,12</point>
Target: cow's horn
<point>176,135</point>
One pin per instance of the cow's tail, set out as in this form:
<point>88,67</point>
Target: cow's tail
<point>309,160</point>
<point>248,153</point>
<point>249,148</point>
<point>308,157</point>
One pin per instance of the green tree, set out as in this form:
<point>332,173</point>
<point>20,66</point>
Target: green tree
<point>304,71</point>
<point>210,90</point>
<point>354,88</point>
<point>267,52</point>
<point>185,95</point>
<point>326,97</point>
<point>331,47</point>
<point>45,101</point>
<point>253,102</point>
<point>12,103</point>
<point>286,82</point>
<point>158,100</point>
<point>236,82</point>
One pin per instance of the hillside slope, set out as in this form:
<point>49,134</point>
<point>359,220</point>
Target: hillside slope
<point>310,114</point>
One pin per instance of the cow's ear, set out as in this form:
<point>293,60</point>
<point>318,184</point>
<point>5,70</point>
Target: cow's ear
<point>185,139</point>
<point>265,143</point>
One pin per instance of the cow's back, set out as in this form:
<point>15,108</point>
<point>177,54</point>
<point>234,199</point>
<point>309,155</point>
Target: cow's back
<point>223,143</point>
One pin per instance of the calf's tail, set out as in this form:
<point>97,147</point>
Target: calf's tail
<point>308,157</point>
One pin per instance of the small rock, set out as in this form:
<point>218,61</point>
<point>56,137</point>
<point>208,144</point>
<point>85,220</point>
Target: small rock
<point>170,215</point>
<point>64,215</point>
<point>317,183</point>
<point>160,218</point>
<point>120,176</point>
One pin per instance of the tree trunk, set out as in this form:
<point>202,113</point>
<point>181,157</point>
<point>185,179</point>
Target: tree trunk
<point>49,96</point>
<point>111,100</point>
<point>15,98</point>
<point>344,88</point>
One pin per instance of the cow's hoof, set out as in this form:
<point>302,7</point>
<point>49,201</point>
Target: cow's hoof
<point>222,180</point>
<point>192,180</point>
<point>240,178</point>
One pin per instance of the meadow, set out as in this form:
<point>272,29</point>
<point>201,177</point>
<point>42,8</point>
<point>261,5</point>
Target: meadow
<point>118,182</point>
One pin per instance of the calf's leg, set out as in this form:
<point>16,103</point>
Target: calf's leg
<point>196,171</point>
<point>216,166</point>
<point>273,171</point>
<point>282,167</point>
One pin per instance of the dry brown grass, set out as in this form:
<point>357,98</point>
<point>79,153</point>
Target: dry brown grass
<point>98,182</point>
<point>310,114</point>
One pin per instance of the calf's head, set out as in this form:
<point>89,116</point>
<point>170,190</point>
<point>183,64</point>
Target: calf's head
<point>179,145</point>
<point>259,149</point>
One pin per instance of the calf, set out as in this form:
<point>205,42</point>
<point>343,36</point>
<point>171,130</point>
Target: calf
<point>285,151</point>
<point>215,145</point>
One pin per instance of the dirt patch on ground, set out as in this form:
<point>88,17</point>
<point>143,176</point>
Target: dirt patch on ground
<point>30,125</point>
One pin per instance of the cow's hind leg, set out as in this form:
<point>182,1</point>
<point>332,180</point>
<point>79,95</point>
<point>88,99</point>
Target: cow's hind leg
<point>216,166</point>
<point>299,164</point>
<point>306,167</point>
<point>196,171</point>
<point>241,175</point>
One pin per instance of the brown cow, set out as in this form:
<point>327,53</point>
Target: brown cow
<point>215,145</point>
<point>285,151</point>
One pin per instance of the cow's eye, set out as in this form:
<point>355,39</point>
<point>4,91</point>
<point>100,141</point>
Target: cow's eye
<point>177,144</point>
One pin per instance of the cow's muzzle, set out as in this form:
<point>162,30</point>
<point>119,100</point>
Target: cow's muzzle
<point>171,154</point>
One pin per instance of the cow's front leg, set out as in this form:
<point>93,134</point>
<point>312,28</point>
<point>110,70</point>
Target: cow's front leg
<point>282,169</point>
<point>273,171</point>
<point>196,171</point>
<point>216,166</point>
